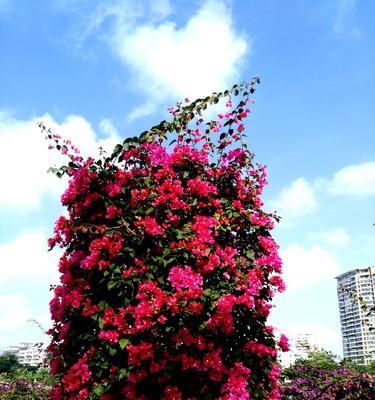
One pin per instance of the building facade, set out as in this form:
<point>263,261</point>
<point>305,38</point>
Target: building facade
<point>28,354</point>
<point>356,297</point>
<point>300,345</point>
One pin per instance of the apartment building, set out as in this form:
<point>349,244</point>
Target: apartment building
<point>28,354</point>
<point>356,297</point>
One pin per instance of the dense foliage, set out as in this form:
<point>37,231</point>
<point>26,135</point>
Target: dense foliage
<point>8,363</point>
<point>321,377</point>
<point>26,384</point>
<point>169,265</point>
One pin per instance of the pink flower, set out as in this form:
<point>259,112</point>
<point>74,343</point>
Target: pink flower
<point>236,386</point>
<point>283,343</point>
<point>150,225</point>
<point>260,349</point>
<point>139,353</point>
<point>109,336</point>
<point>172,393</point>
<point>185,278</point>
<point>222,318</point>
<point>78,375</point>
<point>201,188</point>
<point>278,282</point>
<point>158,155</point>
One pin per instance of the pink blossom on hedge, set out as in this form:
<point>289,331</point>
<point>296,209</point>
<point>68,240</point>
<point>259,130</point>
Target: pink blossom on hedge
<point>236,386</point>
<point>140,352</point>
<point>185,278</point>
<point>150,225</point>
<point>109,336</point>
<point>168,260</point>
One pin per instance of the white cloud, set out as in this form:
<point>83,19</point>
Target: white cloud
<point>204,55</point>
<point>16,321</point>
<point>307,266</point>
<point>142,111</point>
<point>341,24</point>
<point>160,8</point>
<point>296,200</point>
<point>25,159</point>
<point>26,258</point>
<point>356,179</point>
<point>336,237</point>
<point>14,312</point>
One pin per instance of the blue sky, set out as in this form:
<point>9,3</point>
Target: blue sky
<point>99,71</point>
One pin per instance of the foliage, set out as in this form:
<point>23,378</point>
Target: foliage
<point>320,359</point>
<point>320,377</point>
<point>22,383</point>
<point>169,265</point>
<point>8,363</point>
<point>363,369</point>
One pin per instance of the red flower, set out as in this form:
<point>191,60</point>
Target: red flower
<point>150,225</point>
<point>109,336</point>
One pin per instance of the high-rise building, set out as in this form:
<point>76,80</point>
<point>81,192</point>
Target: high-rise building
<point>356,295</point>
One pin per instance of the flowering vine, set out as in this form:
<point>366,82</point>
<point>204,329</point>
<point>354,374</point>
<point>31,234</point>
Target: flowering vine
<point>169,266</point>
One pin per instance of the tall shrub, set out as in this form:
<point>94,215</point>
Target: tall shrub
<point>169,265</point>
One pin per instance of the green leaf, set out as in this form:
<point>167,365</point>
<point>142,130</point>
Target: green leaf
<point>118,148</point>
<point>149,211</point>
<point>202,326</point>
<point>123,373</point>
<point>99,390</point>
<point>111,284</point>
<point>112,351</point>
<point>250,254</point>
<point>123,343</point>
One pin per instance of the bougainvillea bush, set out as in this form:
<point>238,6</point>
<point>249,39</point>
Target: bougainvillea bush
<point>169,266</point>
<point>316,383</point>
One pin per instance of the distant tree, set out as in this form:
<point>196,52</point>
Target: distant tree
<point>369,369</point>
<point>321,377</point>
<point>321,359</point>
<point>8,363</point>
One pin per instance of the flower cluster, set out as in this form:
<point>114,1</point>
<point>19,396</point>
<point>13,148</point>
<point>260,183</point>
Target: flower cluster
<point>169,267</point>
<point>317,383</point>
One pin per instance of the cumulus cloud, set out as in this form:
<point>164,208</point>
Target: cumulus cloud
<point>14,312</point>
<point>25,159</point>
<point>336,237</point>
<point>307,266</point>
<point>204,55</point>
<point>161,8</point>
<point>33,262</point>
<point>16,321</point>
<point>296,200</point>
<point>356,180</point>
